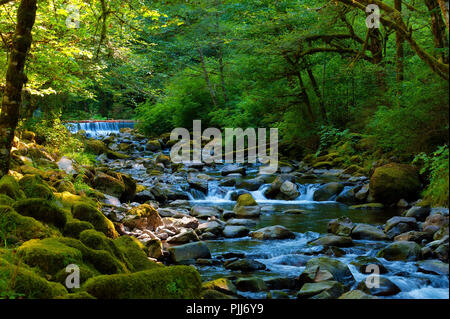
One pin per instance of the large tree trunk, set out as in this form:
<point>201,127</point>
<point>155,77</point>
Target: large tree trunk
<point>399,56</point>
<point>305,96</point>
<point>318,94</point>
<point>444,9</point>
<point>212,93</point>
<point>15,79</point>
<point>437,28</point>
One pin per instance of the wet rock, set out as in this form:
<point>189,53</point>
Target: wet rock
<point>245,265</point>
<point>294,211</point>
<point>207,236</point>
<point>241,222</point>
<point>402,250</point>
<point>368,232</point>
<point>332,240</point>
<point>198,184</point>
<point>415,236</point>
<point>228,214</point>
<point>324,268</point>
<point>365,263</point>
<point>392,182</point>
<point>361,195</point>
<point>273,191</point>
<point>189,251</point>
<point>434,267</point>
<point>347,197</point>
<point>213,227</point>
<point>250,184</point>
<point>279,283</point>
<point>66,165</point>
<point>183,237</point>
<point>420,213</point>
<point>368,206</point>
<point>253,284</point>
<point>433,223</point>
<point>246,207</point>
<point>402,203</point>
<point>398,225</point>
<point>327,191</point>
<point>235,231</point>
<point>230,255</point>
<point>222,285</point>
<point>232,169</point>
<point>321,290</point>
<point>356,294</point>
<point>186,222</point>
<point>341,226</point>
<point>153,146</point>
<point>109,185</point>
<point>204,212</point>
<point>289,190</point>
<point>163,159</point>
<point>227,182</point>
<point>277,294</point>
<point>154,248</point>
<point>272,232</point>
<point>384,287</point>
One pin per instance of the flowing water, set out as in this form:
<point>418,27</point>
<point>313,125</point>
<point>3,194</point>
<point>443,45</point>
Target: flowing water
<point>287,258</point>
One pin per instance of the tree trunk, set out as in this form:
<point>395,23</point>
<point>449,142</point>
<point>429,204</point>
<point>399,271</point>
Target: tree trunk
<point>399,55</point>
<point>220,52</point>
<point>444,9</point>
<point>207,80</point>
<point>437,28</point>
<point>305,96</point>
<point>318,94</point>
<point>15,79</point>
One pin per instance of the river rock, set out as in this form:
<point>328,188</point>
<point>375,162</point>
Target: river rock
<point>394,181</point>
<point>183,237</point>
<point>420,213</point>
<point>324,268</point>
<point>385,287</point>
<point>277,283</point>
<point>109,185</point>
<point>294,211</point>
<point>186,222</point>
<point>189,251</point>
<point>153,146</point>
<point>365,263</point>
<point>213,226</point>
<point>321,290</point>
<point>143,197</point>
<point>356,294</point>
<point>347,196</point>
<point>250,184</point>
<point>416,236</point>
<point>241,222</point>
<point>204,212</point>
<point>368,232</point>
<point>235,231</point>
<point>272,232</point>
<point>435,267</point>
<point>289,190</point>
<point>246,207</point>
<point>154,248</point>
<point>402,250</point>
<point>273,191</point>
<point>325,192</point>
<point>361,195</point>
<point>333,240</point>
<point>222,285</point>
<point>433,223</point>
<point>341,226</point>
<point>244,265</point>
<point>232,169</point>
<point>66,165</point>
<point>253,284</point>
<point>398,225</point>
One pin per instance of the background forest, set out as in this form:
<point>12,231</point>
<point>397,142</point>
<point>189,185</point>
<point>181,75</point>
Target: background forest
<point>312,68</point>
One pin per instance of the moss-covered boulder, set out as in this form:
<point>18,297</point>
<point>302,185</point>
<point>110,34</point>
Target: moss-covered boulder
<point>95,146</point>
<point>75,227</point>
<point>134,252</point>
<point>402,250</point>
<point>321,290</point>
<point>222,285</point>
<point>43,210</point>
<point>10,187</point>
<point>175,282</point>
<point>27,284</point>
<point>5,200</point>
<point>96,218</point>
<point>34,187</point>
<point>392,182</point>
<point>130,188</point>
<point>49,255</point>
<point>21,228</point>
<point>153,146</point>
<point>324,268</point>
<point>109,185</point>
<point>85,273</point>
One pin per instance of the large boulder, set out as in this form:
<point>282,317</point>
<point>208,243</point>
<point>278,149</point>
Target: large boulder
<point>274,190</point>
<point>254,284</point>
<point>324,268</point>
<point>272,232</point>
<point>368,232</point>
<point>232,169</point>
<point>289,190</point>
<point>10,187</point>
<point>92,215</point>
<point>248,184</point>
<point>325,192</point>
<point>42,210</point>
<point>392,182</point>
<point>109,184</point>
<point>235,231</point>
<point>341,226</point>
<point>385,287</point>
<point>183,237</point>
<point>189,251</point>
<point>402,250</point>
<point>418,212</point>
<point>246,207</point>
<point>321,290</point>
<point>244,265</point>
<point>204,212</point>
<point>398,225</point>
<point>333,240</point>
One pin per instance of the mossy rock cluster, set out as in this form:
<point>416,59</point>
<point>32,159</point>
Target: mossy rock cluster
<point>11,188</point>
<point>42,210</point>
<point>88,213</point>
<point>34,187</point>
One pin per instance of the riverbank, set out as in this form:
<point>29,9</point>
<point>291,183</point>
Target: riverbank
<point>310,230</point>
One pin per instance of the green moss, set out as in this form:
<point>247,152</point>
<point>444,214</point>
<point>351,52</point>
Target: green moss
<point>77,295</point>
<point>323,165</point>
<point>5,200</point>
<point>69,200</point>
<point>85,273</point>
<point>134,251</point>
<point>103,261</point>
<point>95,146</point>
<point>43,210</point>
<point>21,228</point>
<point>98,241</point>
<point>352,169</point>
<point>175,282</point>
<point>96,218</point>
<point>49,255</point>
<point>368,206</point>
<point>246,200</point>
<point>75,227</point>
<point>34,187</point>
<point>10,187</point>
<point>24,283</point>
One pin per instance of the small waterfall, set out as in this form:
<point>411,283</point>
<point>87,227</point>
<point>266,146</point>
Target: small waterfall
<point>307,191</point>
<point>99,128</point>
